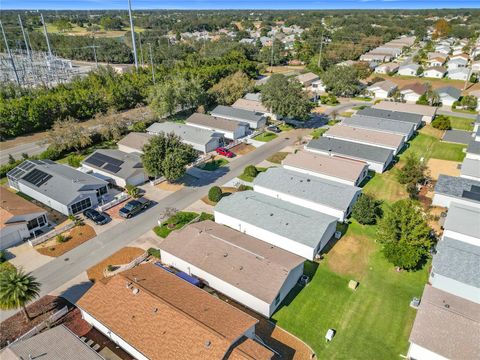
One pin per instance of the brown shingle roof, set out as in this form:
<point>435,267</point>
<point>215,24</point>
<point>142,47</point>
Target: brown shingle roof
<point>168,318</point>
<point>135,140</point>
<point>447,325</point>
<point>252,265</point>
<point>213,122</point>
<point>308,77</point>
<point>250,349</point>
<point>13,205</point>
<point>328,165</point>
<point>365,135</point>
<point>418,88</point>
<point>251,105</point>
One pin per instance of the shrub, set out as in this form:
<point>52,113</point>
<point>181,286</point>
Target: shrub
<point>62,238</point>
<point>139,126</point>
<point>243,187</point>
<point>215,194</point>
<point>366,210</point>
<point>110,268</point>
<point>133,191</point>
<point>441,122</point>
<point>74,160</point>
<point>154,252</point>
<point>251,171</point>
<point>206,216</point>
<point>51,153</point>
<point>3,256</point>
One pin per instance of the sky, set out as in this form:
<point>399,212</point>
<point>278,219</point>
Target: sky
<point>236,4</point>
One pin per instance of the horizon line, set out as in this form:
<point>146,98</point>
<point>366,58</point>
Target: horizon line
<point>243,9</point>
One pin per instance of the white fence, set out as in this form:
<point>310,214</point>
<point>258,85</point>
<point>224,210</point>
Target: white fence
<point>52,319</point>
<point>157,181</point>
<point>116,200</point>
<point>124,267</point>
<point>51,234</point>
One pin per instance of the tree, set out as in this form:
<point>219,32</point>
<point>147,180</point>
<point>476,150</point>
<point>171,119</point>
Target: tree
<point>17,289</point>
<point>215,194</point>
<point>113,127</point>
<point>166,155</point>
<point>163,99</point>
<point>11,159</point>
<point>250,171</point>
<point>342,80</point>
<point>68,134</point>
<point>275,57</point>
<point>366,210</point>
<point>286,98</point>
<point>441,122</point>
<point>404,233</point>
<point>412,173</point>
<point>132,190</point>
<point>419,71</point>
<point>469,102</point>
<point>63,25</point>
<point>231,88</point>
<point>442,28</point>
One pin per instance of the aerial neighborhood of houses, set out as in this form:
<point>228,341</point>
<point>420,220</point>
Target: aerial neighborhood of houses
<point>235,232</point>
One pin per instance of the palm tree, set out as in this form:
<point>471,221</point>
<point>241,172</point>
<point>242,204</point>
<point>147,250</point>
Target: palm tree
<point>17,289</point>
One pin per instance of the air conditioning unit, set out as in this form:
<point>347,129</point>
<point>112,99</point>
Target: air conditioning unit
<point>304,279</point>
<point>338,234</point>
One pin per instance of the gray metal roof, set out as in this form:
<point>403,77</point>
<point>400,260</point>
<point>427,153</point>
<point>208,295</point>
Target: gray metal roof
<point>449,90</point>
<point>351,149</point>
<point>53,344</point>
<point>455,186</point>
<point>463,219</point>
<point>65,185</point>
<point>131,162</point>
<point>474,147</point>
<point>458,260</point>
<point>188,133</point>
<point>312,188</point>
<point>391,115</point>
<point>380,124</point>
<point>232,113</point>
<point>294,222</point>
<point>471,167</point>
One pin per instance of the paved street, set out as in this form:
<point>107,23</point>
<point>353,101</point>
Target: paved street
<point>30,148</point>
<point>63,269</point>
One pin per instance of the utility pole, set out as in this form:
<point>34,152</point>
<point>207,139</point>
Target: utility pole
<point>133,34</point>
<point>24,36</point>
<point>10,54</point>
<point>46,35</point>
<point>141,49</point>
<point>151,62</point>
<point>271,55</point>
<point>320,53</point>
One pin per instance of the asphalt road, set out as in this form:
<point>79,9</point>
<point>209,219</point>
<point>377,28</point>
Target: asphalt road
<point>68,266</point>
<point>30,148</point>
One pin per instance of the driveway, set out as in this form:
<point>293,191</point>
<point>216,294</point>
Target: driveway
<point>26,257</point>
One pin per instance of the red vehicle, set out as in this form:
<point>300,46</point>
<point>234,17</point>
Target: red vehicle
<point>224,152</point>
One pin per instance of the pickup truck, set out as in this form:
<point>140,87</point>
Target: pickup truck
<point>133,207</point>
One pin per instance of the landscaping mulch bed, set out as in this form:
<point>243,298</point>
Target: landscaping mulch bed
<point>225,192</point>
<point>16,325</point>
<point>242,149</point>
<point>77,236</point>
<point>122,256</point>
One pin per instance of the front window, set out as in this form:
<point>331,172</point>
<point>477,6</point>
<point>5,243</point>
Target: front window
<point>81,205</point>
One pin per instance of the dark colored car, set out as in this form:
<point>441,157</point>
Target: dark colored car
<point>97,217</point>
<point>274,129</point>
<point>133,207</point>
<point>224,152</point>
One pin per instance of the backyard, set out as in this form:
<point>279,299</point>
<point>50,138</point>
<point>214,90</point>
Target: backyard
<point>461,123</point>
<point>372,322</point>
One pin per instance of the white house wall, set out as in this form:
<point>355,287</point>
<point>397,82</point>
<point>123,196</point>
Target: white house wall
<point>445,201</point>
<point>455,287</point>
<point>62,208</point>
<point>473,156</point>
<point>395,149</point>
<point>12,235</point>
<point>417,352</point>
<point>114,337</point>
<point>288,285</point>
<point>461,237</point>
<point>128,149</point>
<point>324,176</point>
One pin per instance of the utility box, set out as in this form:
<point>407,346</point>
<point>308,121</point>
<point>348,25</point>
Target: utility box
<point>352,284</point>
<point>330,334</point>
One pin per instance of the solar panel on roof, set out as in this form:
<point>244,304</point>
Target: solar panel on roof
<point>36,177</point>
<point>475,189</point>
<point>108,159</point>
<point>94,161</point>
<point>112,168</point>
<point>471,195</point>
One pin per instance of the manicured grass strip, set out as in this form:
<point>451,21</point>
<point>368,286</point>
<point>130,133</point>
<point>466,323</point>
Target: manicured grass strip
<point>461,123</point>
<point>448,151</point>
<point>250,178</point>
<point>385,186</point>
<point>175,222</point>
<point>278,157</point>
<point>213,164</point>
<point>318,132</point>
<point>265,137</point>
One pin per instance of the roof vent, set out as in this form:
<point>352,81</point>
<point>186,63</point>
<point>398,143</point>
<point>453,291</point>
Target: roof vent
<point>155,310</point>
<point>447,306</point>
<point>207,343</point>
<point>308,180</point>
<point>241,267</point>
<point>271,214</point>
<point>129,284</point>
<point>225,254</point>
<point>135,291</point>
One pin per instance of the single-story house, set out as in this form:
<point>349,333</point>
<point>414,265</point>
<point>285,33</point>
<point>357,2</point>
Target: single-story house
<point>397,116</point>
<point>448,95</point>
<point>230,129</point>
<point>476,66</point>
<point>248,270</point>
<point>122,168</point>
<point>436,61</point>
<point>387,68</point>
<point>473,150</point>
<point>153,314</point>
<point>334,168</point>
<point>450,189</point>
<point>294,228</point>
<point>436,72</point>
<point>462,56</point>
<point>393,49</point>
<point>442,50</point>
<point>375,57</point>
<point>55,343</point>
<point>251,105</point>
<point>432,55</point>
<point>412,92</point>
<point>327,196</point>
<point>456,64</point>
<point>311,82</point>
<point>384,125</point>
<point>459,74</point>
<point>19,218</point>
<point>367,137</point>
<point>470,169</point>
<point>202,140</point>
<point>58,186</point>
<point>462,223</point>
<point>446,327</point>
<point>255,120</point>
<point>427,112</point>
<point>455,268</point>
<point>377,158</point>
<point>382,89</point>
<point>408,69</point>
<point>134,142</point>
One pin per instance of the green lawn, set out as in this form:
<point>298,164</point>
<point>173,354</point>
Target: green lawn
<point>318,132</point>
<point>461,123</point>
<point>213,164</point>
<point>175,222</point>
<point>265,136</point>
<point>385,186</point>
<point>278,157</point>
<point>360,98</point>
<point>373,322</point>
<point>448,151</point>
<point>250,178</point>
